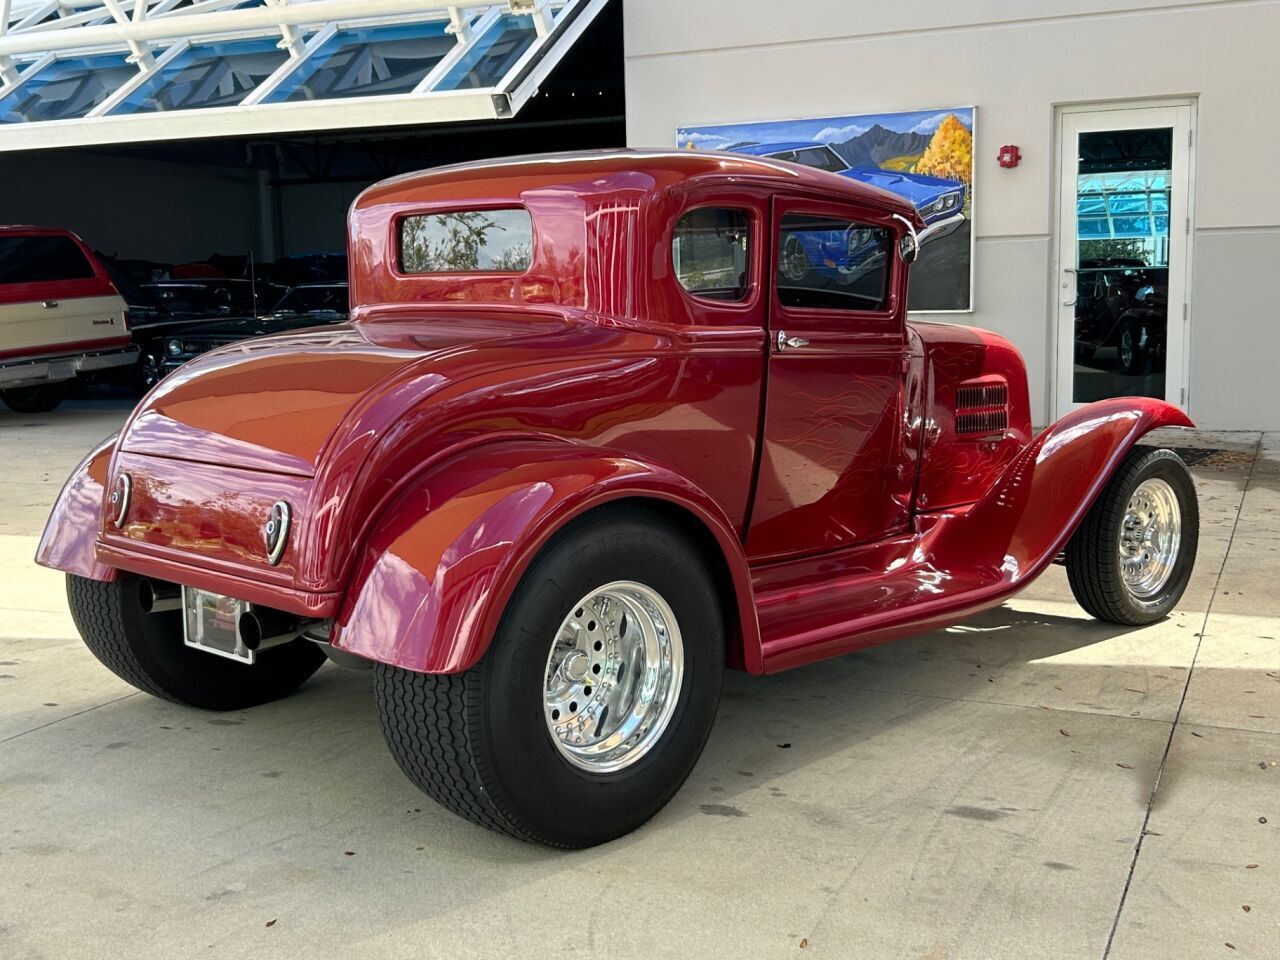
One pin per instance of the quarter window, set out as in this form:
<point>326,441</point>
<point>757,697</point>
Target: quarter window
<point>467,241</point>
<point>41,260</point>
<point>832,263</point>
<point>709,252</point>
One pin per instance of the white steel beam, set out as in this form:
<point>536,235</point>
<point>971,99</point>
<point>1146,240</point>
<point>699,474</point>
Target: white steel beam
<point>8,72</point>
<point>527,73</point>
<point>466,41</point>
<point>221,21</point>
<point>139,52</point>
<point>290,38</point>
<point>266,118</point>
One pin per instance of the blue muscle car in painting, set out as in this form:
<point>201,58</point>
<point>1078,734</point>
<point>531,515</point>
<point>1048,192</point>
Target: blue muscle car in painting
<point>939,202</point>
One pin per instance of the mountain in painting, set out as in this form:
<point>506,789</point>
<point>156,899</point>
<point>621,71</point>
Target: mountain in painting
<point>878,144</point>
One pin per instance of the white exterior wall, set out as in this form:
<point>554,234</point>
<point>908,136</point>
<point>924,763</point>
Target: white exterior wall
<point>704,61</point>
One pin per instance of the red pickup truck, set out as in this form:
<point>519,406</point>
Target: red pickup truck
<point>60,316</point>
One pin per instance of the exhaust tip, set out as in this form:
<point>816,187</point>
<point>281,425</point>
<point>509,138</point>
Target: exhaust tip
<point>156,596</point>
<point>250,631</point>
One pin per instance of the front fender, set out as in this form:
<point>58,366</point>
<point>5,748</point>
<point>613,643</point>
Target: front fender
<point>440,564</point>
<point>962,561</point>
<point>1027,517</point>
<point>72,528</point>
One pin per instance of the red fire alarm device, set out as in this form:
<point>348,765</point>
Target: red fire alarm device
<point>1009,156</point>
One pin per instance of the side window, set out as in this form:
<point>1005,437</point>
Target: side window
<point>820,157</point>
<point>41,260</point>
<point>467,241</point>
<point>710,254</point>
<point>832,263</point>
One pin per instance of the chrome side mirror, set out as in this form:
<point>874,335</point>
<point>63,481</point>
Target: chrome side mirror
<point>909,245</point>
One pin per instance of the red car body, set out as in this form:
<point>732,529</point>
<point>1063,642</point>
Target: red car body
<point>882,480</point>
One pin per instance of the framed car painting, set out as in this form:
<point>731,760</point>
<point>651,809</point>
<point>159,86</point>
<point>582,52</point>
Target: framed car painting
<point>923,156</point>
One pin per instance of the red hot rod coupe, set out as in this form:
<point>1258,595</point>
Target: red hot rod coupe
<point>583,444</point>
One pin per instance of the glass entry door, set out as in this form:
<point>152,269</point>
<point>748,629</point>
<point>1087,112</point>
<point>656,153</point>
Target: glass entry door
<point>1123,243</point>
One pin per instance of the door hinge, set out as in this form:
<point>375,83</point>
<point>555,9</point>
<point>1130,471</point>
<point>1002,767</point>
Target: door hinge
<point>1182,397</point>
<point>1187,227</point>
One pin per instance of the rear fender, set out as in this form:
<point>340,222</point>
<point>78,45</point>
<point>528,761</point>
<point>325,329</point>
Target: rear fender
<point>441,563</point>
<point>72,529</point>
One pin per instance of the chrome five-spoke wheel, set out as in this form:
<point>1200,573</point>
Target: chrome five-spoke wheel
<point>1150,536</point>
<point>613,676</point>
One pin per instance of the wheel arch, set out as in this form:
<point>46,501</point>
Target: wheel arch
<point>709,549</point>
<point>71,531</point>
<point>442,561</point>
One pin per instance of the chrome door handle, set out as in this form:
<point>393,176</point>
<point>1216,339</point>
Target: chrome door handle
<point>795,343</point>
<point>49,304</point>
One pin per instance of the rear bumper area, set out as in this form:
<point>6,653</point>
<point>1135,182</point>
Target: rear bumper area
<point>304,603</point>
<point>26,373</point>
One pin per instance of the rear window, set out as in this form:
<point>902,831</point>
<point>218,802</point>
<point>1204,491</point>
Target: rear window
<point>41,260</point>
<point>467,241</point>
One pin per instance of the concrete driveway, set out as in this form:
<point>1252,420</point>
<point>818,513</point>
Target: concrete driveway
<point>1030,784</point>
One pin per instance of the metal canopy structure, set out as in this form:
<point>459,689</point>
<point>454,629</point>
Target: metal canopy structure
<point>85,72</point>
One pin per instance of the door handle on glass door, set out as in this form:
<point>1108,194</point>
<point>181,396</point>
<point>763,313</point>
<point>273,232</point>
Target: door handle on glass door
<point>794,342</point>
<point>1072,301</point>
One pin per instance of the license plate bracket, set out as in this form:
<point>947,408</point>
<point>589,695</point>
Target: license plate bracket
<point>211,622</point>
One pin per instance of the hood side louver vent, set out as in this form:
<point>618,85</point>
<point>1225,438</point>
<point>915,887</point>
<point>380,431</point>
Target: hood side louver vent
<point>982,407</point>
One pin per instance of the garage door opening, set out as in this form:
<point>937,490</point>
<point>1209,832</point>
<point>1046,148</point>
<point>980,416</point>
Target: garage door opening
<point>280,195</point>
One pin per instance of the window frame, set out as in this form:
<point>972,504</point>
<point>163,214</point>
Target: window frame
<point>753,242</point>
<point>397,240</point>
<point>880,319</point>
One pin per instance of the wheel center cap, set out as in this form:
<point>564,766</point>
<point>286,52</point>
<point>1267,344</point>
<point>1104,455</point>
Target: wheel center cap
<point>574,666</point>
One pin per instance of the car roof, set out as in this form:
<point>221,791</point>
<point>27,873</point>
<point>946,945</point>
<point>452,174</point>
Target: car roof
<point>25,229</point>
<point>602,171</point>
<point>764,149</point>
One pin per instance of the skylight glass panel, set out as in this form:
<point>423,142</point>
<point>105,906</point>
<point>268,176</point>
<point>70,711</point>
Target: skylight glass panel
<point>492,55</point>
<point>207,75</point>
<point>367,62</point>
<point>66,89</point>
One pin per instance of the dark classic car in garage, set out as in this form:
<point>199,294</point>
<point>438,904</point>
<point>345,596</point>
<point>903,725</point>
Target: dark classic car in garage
<point>584,443</point>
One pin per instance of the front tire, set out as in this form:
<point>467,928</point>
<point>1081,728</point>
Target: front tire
<point>1132,556</point>
<point>594,700</point>
<point>146,650</point>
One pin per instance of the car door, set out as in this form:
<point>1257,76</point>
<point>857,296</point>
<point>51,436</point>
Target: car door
<point>53,298</point>
<point>833,409</point>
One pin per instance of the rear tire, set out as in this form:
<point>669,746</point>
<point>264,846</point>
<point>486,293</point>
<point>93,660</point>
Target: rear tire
<point>1131,558</point>
<point>146,650</point>
<point>40,398</point>
<point>483,743</point>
